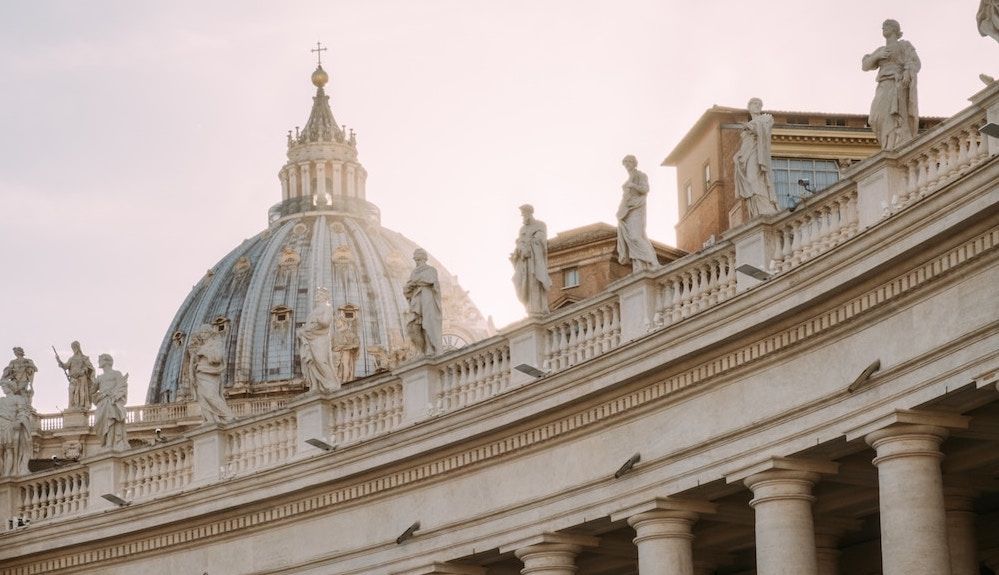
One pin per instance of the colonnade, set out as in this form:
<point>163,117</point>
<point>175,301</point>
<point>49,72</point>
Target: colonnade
<point>926,529</point>
<point>337,178</point>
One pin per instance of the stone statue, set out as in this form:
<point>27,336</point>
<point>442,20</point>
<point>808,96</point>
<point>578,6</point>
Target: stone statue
<point>753,181</point>
<point>315,341</point>
<point>988,19</point>
<point>346,343</point>
<point>110,396</point>
<point>632,243</point>
<point>424,325</point>
<point>206,362</point>
<point>20,375</point>
<point>15,430</point>
<point>894,111</point>
<point>80,373</point>
<point>530,263</point>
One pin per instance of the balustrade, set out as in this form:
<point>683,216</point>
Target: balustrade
<point>695,287</point>
<point>366,413</point>
<point>930,167</point>
<point>157,471</point>
<point>592,331</point>
<point>261,443</point>
<point>815,228</point>
<point>473,377</point>
<point>55,494</point>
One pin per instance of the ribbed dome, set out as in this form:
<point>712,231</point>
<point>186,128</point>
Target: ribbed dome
<point>324,234</point>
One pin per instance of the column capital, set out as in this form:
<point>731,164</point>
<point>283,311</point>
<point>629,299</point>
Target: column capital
<point>557,539</point>
<point>900,417</point>
<point>793,464</point>
<point>437,568</point>
<point>665,504</point>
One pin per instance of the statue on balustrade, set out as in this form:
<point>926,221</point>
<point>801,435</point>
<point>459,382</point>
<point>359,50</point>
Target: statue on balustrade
<point>424,324</point>
<point>633,244</point>
<point>988,19</point>
<point>346,343</point>
<point>753,178</point>
<point>80,373</point>
<point>315,345</point>
<point>110,397</point>
<point>15,431</point>
<point>530,263</point>
<point>894,111</point>
<point>20,376</point>
<point>206,370</point>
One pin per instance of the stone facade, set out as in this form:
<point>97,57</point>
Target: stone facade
<point>837,415</point>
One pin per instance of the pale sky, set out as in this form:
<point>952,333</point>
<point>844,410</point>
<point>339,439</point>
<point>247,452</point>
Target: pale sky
<point>140,142</point>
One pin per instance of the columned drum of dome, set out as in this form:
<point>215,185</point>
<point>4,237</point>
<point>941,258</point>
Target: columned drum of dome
<point>323,234</point>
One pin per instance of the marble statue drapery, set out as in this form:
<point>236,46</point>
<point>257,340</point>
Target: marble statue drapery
<point>207,364</point>
<point>423,292</point>
<point>633,244</point>
<point>530,263</point>
<point>988,19</point>
<point>753,179</point>
<point>111,395</point>
<point>315,340</point>
<point>894,113</point>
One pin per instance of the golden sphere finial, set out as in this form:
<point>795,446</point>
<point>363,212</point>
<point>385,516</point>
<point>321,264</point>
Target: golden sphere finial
<point>320,77</point>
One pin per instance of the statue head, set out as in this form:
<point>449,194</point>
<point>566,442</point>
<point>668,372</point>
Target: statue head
<point>105,361</point>
<point>75,346</point>
<point>891,28</point>
<point>755,105</point>
<point>527,212</point>
<point>18,352</point>
<point>420,256</point>
<point>630,162</point>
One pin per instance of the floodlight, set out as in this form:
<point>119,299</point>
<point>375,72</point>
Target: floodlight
<point>531,370</point>
<point>407,533</point>
<point>628,465</point>
<point>864,376</point>
<point>754,272</point>
<point>116,500</point>
<point>320,444</point>
<point>990,129</point>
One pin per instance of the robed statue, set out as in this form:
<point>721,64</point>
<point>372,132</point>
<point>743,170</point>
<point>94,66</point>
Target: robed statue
<point>110,397</point>
<point>530,263</point>
<point>20,376</point>
<point>633,244</point>
<point>753,180</point>
<point>424,324</point>
<point>894,112</point>
<point>207,366</point>
<point>80,373</point>
<point>988,19</point>
<point>15,431</point>
<point>315,345</point>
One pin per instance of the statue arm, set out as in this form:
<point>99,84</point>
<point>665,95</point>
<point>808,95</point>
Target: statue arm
<point>873,60</point>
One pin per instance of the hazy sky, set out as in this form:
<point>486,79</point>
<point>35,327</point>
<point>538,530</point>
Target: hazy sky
<point>140,141</point>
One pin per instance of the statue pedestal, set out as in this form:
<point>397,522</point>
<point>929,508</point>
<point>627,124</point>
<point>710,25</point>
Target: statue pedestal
<point>75,418</point>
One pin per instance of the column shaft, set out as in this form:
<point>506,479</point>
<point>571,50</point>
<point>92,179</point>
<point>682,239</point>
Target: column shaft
<point>664,542</point>
<point>960,511</point>
<point>910,488</point>
<point>785,533</point>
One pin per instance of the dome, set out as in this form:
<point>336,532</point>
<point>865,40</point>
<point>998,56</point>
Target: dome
<point>323,234</point>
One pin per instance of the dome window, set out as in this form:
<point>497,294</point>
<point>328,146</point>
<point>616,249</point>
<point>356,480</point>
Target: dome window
<point>281,314</point>
<point>220,323</point>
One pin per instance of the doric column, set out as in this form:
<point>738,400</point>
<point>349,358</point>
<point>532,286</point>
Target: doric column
<point>285,192</point>
<point>827,553</point>
<point>336,176</point>
<point>321,181</point>
<point>910,490</point>
<point>549,553</point>
<point>663,534</point>
<point>785,536</point>
<point>960,512</point>
<point>351,182</point>
<point>294,190</point>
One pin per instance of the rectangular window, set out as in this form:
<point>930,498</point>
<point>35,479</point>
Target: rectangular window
<point>787,172</point>
<point>570,277</point>
<point>707,176</point>
<point>688,192</point>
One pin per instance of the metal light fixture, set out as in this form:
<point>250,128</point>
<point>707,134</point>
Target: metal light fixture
<point>864,376</point>
<point>116,500</point>
<point>754,272</point>
<point>628,465</point>
<point>990,129</point>
<point>320,444</point>
<point>531,370</point>
<point>408,533</point>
